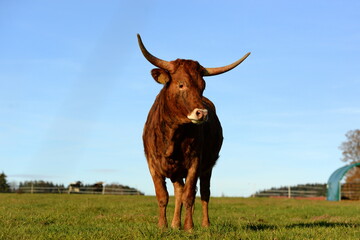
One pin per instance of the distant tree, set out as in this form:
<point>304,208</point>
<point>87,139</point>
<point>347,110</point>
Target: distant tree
<point>351,154</point>
<point>4,186</point>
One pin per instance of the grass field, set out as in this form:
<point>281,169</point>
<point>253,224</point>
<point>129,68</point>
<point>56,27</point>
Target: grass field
<point>52,216</point>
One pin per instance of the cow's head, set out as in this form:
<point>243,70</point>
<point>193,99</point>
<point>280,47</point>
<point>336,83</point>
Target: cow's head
<point>184,84</point>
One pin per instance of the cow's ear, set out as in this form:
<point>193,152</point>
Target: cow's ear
<point>160,75</point>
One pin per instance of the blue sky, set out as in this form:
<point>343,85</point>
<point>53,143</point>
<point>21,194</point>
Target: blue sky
<point>75,90</point>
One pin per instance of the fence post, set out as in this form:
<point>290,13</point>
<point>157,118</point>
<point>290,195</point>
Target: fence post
<point>32,188</point>
<point>103,190</point>
<point>289,192</point>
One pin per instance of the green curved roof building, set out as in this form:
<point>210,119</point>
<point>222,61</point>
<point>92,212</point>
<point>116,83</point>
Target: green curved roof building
<point>334,186</point>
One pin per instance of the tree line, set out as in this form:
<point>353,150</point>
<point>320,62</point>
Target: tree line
<point>49,187</point>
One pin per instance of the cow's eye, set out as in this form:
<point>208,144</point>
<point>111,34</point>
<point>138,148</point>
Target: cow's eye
<point>181,85</point>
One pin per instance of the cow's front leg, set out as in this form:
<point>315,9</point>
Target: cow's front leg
<point>162,198</point>
<point>205,197</point>
<point>178,190</point>
<point>188,197</point>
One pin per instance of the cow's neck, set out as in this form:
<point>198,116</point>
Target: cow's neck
<point>175,132</point>
<point>168,124</point>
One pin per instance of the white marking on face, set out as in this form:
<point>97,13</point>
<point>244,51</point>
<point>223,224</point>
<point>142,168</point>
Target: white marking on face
<point>198,115</point>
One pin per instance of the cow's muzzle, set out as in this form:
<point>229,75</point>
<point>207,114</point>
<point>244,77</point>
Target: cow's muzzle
<point>198,115</point>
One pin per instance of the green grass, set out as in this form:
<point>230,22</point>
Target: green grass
<point>52,216</point>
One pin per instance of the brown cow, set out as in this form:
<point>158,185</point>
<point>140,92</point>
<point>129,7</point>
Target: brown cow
<point>182,135</point>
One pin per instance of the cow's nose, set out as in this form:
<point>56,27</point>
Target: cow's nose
<point>198,115</point>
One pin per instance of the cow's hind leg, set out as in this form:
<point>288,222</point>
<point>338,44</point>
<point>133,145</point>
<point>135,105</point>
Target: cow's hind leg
<point>178,190</point>
<point>205,197</point>
<point>162,198</point>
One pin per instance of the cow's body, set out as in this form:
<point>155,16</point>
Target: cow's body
<point>170,144</point>
<point>182,136</point>
<point>170,151</point>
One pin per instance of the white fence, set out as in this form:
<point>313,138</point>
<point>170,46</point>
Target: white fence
<point>82,190</point>
<point>295,192</point>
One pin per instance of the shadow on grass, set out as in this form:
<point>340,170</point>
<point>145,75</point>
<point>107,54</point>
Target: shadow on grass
<point>324,224</point>
<point>229,226</point>
<point>260,226</point>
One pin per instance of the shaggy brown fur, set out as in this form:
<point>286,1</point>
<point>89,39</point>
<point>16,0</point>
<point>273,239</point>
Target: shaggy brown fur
<point>175,147</point>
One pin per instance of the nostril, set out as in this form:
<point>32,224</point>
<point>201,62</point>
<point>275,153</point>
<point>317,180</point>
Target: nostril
<point>198,115</point>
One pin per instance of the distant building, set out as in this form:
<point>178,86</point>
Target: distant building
<point>74,187</point>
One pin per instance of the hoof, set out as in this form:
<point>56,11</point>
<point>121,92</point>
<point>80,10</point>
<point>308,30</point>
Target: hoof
<point>205,224</point>
<point>189,228</point>
<point>176,226</point>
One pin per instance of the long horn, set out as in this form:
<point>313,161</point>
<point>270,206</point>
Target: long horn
<point>152,59</point>
<point>220,70</point>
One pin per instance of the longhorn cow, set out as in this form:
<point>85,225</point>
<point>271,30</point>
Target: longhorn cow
<point>182,135</point>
